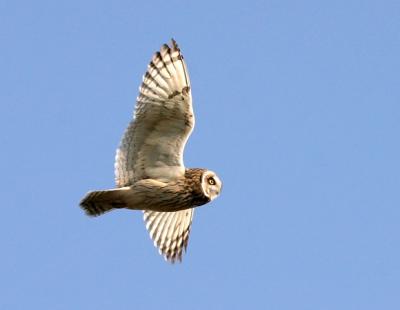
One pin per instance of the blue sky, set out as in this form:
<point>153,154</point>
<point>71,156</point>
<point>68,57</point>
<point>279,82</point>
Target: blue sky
<point>298,111</point>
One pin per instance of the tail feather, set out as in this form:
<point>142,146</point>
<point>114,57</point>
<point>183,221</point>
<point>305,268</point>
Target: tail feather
<point>98,202</point>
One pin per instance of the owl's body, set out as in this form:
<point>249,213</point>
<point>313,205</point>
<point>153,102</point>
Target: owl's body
<point>150,194</point>
<point>149,170</point>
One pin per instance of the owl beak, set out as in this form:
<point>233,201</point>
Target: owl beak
<point>214,194</point>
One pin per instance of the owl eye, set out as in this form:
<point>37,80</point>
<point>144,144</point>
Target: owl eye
<point>211,181</point>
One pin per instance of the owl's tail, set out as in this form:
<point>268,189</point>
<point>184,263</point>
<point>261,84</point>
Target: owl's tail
<point>98,202</point>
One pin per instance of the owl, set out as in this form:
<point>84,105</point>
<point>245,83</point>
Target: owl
<point>149,171</point>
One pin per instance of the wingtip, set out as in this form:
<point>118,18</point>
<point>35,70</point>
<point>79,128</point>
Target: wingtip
<point>174,44</point>
<point>173,259</point>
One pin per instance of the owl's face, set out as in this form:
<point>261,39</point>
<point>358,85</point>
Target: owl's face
<point>211,184</point>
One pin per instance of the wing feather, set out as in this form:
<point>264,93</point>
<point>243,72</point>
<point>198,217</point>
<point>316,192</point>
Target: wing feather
<point>170,232</point>
<point>153,144</point>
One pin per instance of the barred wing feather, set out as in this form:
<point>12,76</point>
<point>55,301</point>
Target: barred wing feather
<point>170,232</point>
<point>153,144</point>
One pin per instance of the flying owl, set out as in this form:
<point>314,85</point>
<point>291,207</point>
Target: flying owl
<point>149,170</point>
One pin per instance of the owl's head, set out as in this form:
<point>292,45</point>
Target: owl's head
<point>211,184</point>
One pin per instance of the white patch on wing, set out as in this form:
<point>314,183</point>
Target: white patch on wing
<point>164,173</point>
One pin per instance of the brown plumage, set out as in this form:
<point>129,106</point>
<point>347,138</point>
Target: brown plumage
<point>184,193</point>
<point>149,170</point>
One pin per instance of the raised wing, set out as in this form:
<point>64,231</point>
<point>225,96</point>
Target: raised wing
<point>153,144</point>
<point>170,232</point>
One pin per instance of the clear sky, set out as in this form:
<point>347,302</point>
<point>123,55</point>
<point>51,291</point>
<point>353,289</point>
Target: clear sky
<point>298,110</point>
